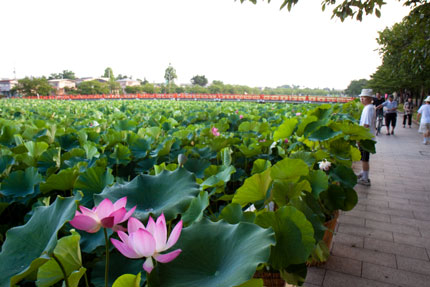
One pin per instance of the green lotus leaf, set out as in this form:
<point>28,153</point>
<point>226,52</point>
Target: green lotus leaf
<point>197,166</point>
<point>68,253</point>
<point>125,125</point>
<point>163,148</point>
<point>319,182</point>
<point>295,274</point>
<point>221,142</point>
<point>368,145</point>
<point>304,123</point>
<point>226,156</point>
<point>34,241</point>
<point>35,149</point>
<point>285,190</point>
<point>340,149</point>
<point>251,150</point>
<point>75,277</point>
<point>260,165</point>
<point>7,135</point>
<point>68,141</point>
<point>324,133</point>
<point>121,154</point>
<point>345,175</point>
<point>286,129</point>
<point>215,254</point>
<point>127,280</point>
<point>90,241</point>
<point>294,236</point>
<point>305,156</point>
<point>354,131</point>
<point>168,192</point>
<point>245,127</point>
<point>289,169</point>
<point>64,180</point>
<point>6,161</point>
<point>118,266</point>
<point>316,218</point>
<point>21,184</point>
<point>93,181</point>
<point>139,148</point>
<point>90,150</point>
<point>253,189</point>
<point>233,214</point>
<point>195,211</point>
<point>220,178</point>
<point>51,158</point>
<point>336,197</point>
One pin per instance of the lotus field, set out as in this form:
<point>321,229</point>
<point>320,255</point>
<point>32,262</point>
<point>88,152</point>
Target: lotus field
<point>167,193</point>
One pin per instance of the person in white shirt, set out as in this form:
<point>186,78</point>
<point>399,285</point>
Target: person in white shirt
<point>424,114</point>
<point>367,120</point>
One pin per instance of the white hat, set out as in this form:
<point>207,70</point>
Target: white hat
<point>366,93</point>
<point>427,99</point>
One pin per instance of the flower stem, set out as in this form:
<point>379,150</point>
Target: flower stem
<point>107,257</point>
<point>62,269</point>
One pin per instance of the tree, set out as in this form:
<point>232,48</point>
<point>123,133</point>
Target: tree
<point>109,74</point>
<point>33,87</point>
<point>355,87</point>
<point>405,48</point>
<point>66,74</point>
<point>199,80</point>
<point>93,88</point>
<point>350,8</point>
<point>170,75</point>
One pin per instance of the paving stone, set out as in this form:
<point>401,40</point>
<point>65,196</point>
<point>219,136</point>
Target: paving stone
<point>315,276</point>
<point>373,202</point>
<point>418,241</point>
<point>414,265</point>
<point>390,211</point>
<point>353,220</point>
<point>394,276</point>
<point>388,198</point>
<point>310,285</point>
<point>399,228</point>
<point>370,215</point>
<point>337,279</point>
<point>349,240</point>
<point>365,232</point>
<point>364,255</point>
<point>402,206</point>
<point>421,215</point>
<point>411,222</point>
<point>396,248</point>
<point>344,265</point>
<point>425,232</point>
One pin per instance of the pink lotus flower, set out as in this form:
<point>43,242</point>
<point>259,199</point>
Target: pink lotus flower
<point>324,165</point>
<point>241,117</point>
<point>148,241</point>
<point>215,131</point>
<point>286,141</point>
<point>236,111</point>
<point>298,114</point>
<point>106,215</point>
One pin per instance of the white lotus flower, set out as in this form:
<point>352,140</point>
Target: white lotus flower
<point>324,165</point>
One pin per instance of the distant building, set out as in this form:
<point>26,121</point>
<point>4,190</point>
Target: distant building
<point>127,83</point>
<point>6,86</point>
<point>61,84</point>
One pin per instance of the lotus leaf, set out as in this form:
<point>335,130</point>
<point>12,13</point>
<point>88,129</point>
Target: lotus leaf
<point>93,181</point>
<point>27,247</point>
<point>254,188</point>
<point>286,129</point>
<point>127,280</point>
<point>289,169</point>
<point>230,261</point>
<point>168,192</point>
<point>20,184</point>
<point>195,211</point>
<point>294,236</point>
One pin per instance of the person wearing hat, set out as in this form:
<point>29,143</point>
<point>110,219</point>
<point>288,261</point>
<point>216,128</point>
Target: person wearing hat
<point>424,114</point>
<point>367,120</point>
<point>391,114</point>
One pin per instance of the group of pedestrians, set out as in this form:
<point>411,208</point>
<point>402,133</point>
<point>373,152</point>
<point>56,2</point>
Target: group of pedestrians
<point>373,107</point>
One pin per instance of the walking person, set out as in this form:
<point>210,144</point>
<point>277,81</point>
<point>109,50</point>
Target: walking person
<point>391,114</point>
<point>379,112</point>
<point>424,114</point>
<point>367,120</point>
<point>408,108</point>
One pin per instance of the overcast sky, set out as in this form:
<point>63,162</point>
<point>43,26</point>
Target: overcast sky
<point>246,44</point>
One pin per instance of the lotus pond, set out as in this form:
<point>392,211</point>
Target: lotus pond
<point>166,193</point>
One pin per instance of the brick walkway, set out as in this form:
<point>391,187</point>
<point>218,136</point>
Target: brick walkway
<point>385,240</point>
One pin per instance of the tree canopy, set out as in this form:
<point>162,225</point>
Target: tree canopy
<point>355,87</point>
<point>199,80</point>
<point>32,87</point>
<point>350,8</point>
<point>405,50</point>
<point>66,74</point>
